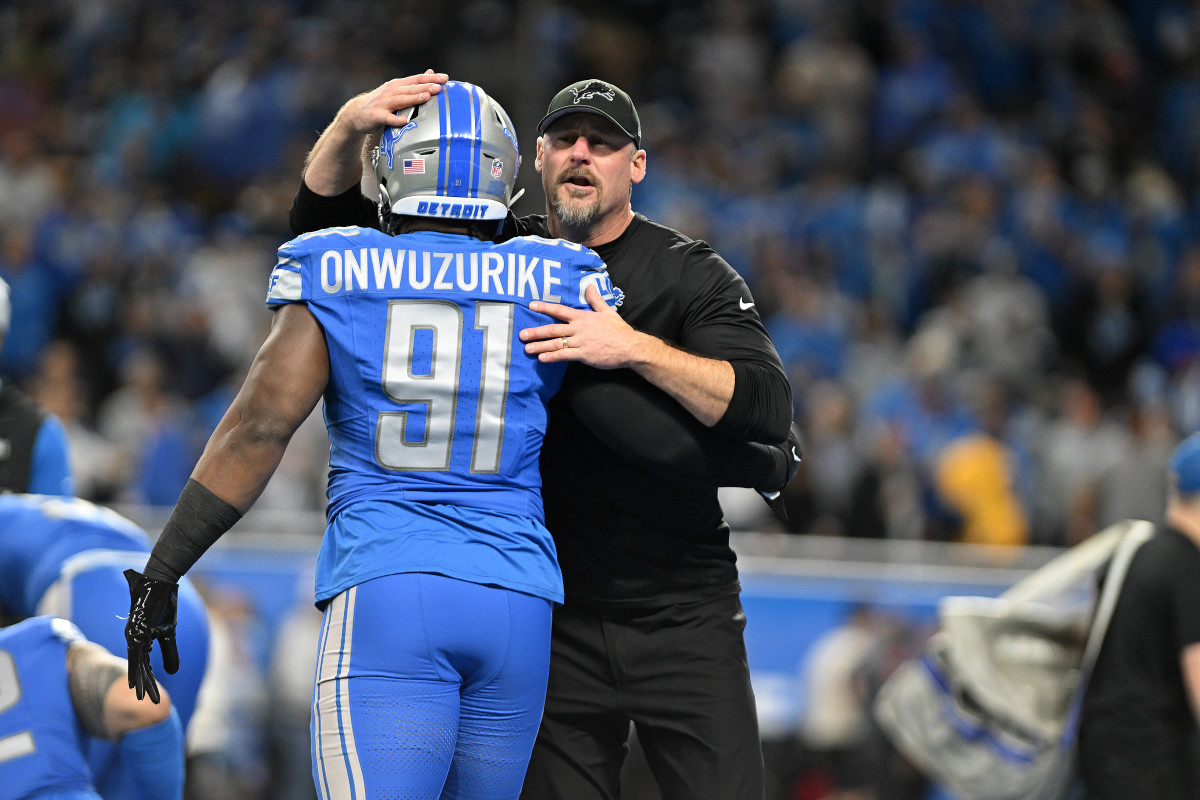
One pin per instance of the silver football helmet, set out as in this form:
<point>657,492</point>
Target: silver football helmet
<point>456,158</point>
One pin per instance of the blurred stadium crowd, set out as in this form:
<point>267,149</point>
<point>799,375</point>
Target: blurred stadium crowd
<point>971,226</point>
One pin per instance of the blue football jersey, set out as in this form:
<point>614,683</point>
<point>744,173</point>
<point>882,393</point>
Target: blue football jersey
<point>38,533</point>
<point>41,740</point>
<point>431,397</point>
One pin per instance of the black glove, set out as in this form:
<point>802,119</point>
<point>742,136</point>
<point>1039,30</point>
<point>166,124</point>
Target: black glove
<point>152,610</point>
<point>789,464</point>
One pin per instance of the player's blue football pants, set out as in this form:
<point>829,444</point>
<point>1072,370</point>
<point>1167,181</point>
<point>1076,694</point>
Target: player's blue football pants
<point>428,687</point>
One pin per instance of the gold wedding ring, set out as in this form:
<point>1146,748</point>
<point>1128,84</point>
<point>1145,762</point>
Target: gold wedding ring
<point>562,343</point>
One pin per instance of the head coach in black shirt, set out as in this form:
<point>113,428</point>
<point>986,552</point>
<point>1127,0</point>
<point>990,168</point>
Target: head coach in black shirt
<point>667,392</point>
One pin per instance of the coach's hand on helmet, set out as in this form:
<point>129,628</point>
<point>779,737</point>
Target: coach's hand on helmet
<point>371,111</point>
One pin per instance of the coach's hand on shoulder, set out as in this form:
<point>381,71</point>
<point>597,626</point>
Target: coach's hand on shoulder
<point>598,338</point>
<point>153,605</point>
<point>788,456</point>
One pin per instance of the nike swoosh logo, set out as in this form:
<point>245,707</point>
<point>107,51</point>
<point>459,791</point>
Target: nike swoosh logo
<point>795,455</point>
<point>745,306</point>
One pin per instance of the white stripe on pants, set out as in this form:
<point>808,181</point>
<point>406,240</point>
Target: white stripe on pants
<point>335,756</point>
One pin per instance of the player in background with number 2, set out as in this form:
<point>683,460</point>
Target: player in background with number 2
<point>436,574</point>
<point>55,686</point>
<point>64,557</point>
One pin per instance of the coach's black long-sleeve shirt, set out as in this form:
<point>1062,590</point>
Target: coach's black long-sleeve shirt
<point>626,536</point>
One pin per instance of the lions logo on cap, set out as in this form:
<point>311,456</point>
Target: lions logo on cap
<point>587,92</point>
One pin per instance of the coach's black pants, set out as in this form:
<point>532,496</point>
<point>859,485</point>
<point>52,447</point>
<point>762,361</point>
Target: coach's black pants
<point>679,674</point>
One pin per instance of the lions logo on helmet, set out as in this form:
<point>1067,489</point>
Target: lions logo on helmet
<point>464,144</point>
<point>387,143</point>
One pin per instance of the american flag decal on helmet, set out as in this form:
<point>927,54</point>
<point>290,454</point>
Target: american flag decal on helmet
<point>414,166</point>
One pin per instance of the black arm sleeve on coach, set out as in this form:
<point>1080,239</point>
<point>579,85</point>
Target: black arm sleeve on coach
<point>761,407</point>
<point>312,212</point>
<point>647,426</point>
<point>720,321</point>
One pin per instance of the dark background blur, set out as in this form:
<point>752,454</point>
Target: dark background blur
<point>972,229</point>
<point>970,226</point>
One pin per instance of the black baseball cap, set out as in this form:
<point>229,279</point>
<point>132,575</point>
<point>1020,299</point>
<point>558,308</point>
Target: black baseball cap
<point>595,96</point>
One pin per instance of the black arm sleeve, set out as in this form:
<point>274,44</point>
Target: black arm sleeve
<point>312,212</point>
<point>761,406</point>
<point>720,321</point>
<point>651,429</point>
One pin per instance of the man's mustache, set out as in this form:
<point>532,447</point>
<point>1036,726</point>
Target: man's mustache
<point>577,172</point>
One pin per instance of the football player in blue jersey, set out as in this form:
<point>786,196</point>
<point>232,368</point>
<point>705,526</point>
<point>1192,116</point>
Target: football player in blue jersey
<point>57,689</point>
<point>65,556</point>
<point>437,575</point>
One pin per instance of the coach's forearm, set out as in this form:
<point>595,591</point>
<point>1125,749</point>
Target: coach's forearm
<point>704,386</point>
<point>335,165</point>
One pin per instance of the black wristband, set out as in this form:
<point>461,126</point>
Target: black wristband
<point>198,520</point>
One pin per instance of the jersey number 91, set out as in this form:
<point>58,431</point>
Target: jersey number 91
<point>440,389</point>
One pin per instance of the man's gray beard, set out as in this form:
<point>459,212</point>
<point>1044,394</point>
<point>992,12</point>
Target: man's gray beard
<point>572,214</point>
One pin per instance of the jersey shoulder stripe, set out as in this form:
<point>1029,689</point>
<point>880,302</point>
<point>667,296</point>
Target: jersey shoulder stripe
<point>286,284</point>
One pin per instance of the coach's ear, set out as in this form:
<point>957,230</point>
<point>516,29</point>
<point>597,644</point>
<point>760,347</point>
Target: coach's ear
<point>537,159</point>
<point>637,166</point>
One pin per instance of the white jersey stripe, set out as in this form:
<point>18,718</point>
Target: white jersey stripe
<point>286,283</point>
<point>359,789</point>
<point>329,750</point>
<point>318,722</point>
<point>337,752</point>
